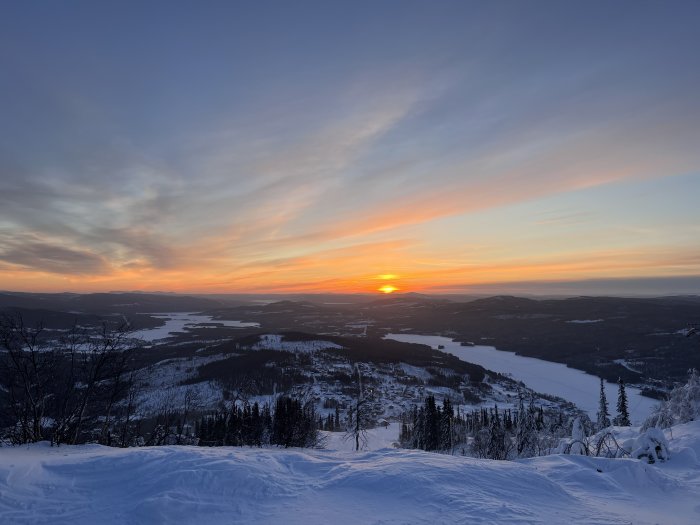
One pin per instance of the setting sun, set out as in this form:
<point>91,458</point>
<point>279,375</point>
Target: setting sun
<point>198,224</point>
<point>360,178</point>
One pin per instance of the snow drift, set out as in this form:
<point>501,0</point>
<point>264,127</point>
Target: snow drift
<point>92,484</point>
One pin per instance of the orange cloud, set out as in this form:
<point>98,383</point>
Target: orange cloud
<point>353,269</point>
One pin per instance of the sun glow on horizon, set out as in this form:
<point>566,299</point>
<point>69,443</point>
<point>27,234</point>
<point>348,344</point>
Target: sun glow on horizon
<point>369,175</point>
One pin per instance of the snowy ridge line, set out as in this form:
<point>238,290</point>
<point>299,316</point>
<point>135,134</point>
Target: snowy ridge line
<point>93,484</point>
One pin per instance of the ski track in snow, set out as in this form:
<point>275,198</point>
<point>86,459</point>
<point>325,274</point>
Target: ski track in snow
<point>91,484</point>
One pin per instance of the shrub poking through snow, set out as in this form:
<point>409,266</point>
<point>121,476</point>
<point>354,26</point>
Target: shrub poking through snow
<point>650,445</point>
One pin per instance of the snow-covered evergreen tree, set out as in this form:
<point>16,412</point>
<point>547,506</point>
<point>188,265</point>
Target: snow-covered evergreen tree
<point>682,406</point>
<point>603,414</point>
<point>578,438</point>
<point>526,431</point>
<point>499,441</point>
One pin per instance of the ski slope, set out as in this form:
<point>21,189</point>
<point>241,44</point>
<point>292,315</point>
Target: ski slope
<point>91,484</point>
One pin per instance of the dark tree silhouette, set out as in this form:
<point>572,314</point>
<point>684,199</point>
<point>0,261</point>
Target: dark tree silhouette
<point>623,417</point>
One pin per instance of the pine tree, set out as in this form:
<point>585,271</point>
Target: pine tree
<point>540,419</point>
<point>521,427</point>
<point>432,424</point>
<point>623,416</point>
<point>526,430</point>
<point>257,426</point>
<point>496,448</point>
<point>446,421</point>
<point>603,414</point>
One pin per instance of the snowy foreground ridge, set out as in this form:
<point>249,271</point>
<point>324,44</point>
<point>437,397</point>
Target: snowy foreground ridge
<point>91,484</point>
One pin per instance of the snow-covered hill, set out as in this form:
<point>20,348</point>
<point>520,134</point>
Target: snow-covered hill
<point>94,484</point>
<point>329,377</point>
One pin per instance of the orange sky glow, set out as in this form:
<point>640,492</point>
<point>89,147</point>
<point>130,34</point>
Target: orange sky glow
<point>332,153</point>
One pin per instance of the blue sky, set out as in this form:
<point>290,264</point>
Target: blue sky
<point>286,146</point>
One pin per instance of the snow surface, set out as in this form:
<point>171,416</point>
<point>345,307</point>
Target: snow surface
<point>626,364</point>
<point>415,371</point>
<point>547,377</point>
<point>277,342</point>
<point>164,388</point>
<point>375,439</point>
<point>92,484</point>
<point>179,322</point>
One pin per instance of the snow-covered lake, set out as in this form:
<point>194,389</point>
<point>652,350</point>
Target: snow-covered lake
<point>542,376</point>
<point>179,322</point>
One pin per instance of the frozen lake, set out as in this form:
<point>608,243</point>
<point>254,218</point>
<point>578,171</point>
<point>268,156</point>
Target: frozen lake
<point>542,376</point>
<point>179,322</point>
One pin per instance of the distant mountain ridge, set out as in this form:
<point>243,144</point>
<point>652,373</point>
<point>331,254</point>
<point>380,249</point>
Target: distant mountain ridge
<point>98,303</point>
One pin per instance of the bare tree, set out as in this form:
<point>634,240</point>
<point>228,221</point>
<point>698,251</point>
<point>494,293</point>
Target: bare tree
<point>129,430</point>
<point>55,387</point>
<point>358,417</point>
<point>27,374</point>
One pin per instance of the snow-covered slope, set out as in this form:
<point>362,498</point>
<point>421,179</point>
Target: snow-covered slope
<point>278,342</point>
<point>94,484</point>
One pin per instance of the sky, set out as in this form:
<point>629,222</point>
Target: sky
<point>434,146</point>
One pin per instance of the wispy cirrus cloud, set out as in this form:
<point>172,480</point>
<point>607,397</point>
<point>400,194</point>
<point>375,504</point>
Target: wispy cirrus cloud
<point>321,158</point>
<point>28,252</point>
